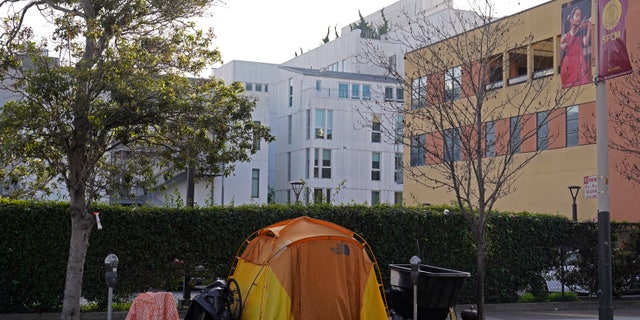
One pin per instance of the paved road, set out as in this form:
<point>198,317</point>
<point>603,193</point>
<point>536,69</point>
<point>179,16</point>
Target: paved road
<point>623,314</point>
<point>623,310</point>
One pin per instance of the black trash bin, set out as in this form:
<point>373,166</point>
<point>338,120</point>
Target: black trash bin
<point>438,290</point>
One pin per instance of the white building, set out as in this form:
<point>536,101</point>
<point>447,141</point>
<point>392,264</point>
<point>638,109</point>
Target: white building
<point>325,114</point>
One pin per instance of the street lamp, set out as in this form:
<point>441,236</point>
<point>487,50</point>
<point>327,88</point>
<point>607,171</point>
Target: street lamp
<point>574,207</point>
<point>297,188</point>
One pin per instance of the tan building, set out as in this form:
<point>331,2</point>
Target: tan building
<point>502,82</point>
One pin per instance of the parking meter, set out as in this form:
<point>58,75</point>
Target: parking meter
<point>415,272</point>
<point>111,273</point>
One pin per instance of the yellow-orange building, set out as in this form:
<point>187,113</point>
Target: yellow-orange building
<point>526,53</point>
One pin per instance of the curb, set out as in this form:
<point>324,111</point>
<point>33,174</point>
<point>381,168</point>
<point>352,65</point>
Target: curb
<point>553,306</point>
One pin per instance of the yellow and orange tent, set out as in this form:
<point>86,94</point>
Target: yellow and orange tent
<point>307,268</point>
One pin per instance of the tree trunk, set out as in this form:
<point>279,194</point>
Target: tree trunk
<point>481,271</point>
<point>81,224</point>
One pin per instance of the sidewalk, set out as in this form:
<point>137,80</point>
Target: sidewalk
<point>586,310</point>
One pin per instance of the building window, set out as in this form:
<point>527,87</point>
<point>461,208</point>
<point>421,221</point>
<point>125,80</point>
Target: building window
<point>572,126</point>
<point>266,87</point>
<point>322,164</point>
<point>318,85</point>
<point>324,123</point>
<point>376,129</point>
<point>259,87</point>
<point>397,198</point>
<point>355,91</point>
<point>289,166</point>
<point>452,80</point>
<point>255,183</point>
<point>490,139</point>
<point>517,65</point>
<point>542,58</point>
<point>375,166</point>
<point>399,132</point>
<point>495,72</point>
<point>366,92</point>
<point>307,163</point>
<point>308,124</point>
<point>256,139</point>
<point>418,150</point>
<point>400,94</point>
<point>388,94</point>
<point>542,136</point>
<point>375,198</point>
<point>289,128</point>
<point>290,92</point>
<point>248,86</point>
<point>418,93</point>
<point>451,146</point>
<point>397,174</point>
<point>515,127</point>
<point>343,90</point>
<point>322,195</point>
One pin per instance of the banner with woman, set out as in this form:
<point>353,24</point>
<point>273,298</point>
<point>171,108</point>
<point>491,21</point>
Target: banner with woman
<point>575,44</point>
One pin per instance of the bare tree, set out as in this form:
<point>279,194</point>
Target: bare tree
<point>478,105</point>
<point>626,123</point>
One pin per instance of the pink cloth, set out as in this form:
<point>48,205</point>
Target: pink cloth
<point>153,306</point>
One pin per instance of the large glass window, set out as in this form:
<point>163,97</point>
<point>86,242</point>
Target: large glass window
<point>308,126</point>
<point>375,198</point>
<point>376,129</point>
<point>324,124</point>
<point>289,164</point>
<point>255,183</point>
<point>543,58</point>
<point>572,126</point>
<point>322,195</point>
<point>452,83</point>
<point>400,94</point>
<point>388,94</point>
<point>517,65</point>
<point>451,146</point>
<point>515,127</point>
<point>343,90</point>
<point>397,198</point>
<point>355,91</point>
<point>289,128</point>
<point>290,92</point>
<point>418,92</point>
<point>397,175</point>
<point>366,92</point>
<point>418,150</point>
<point>542,122</point>
<point>399,134</point>
<point>256,139</point>
<point>490,138</point>
<point>495,72</point>
<point>322,164</point>
<point>375,166</point>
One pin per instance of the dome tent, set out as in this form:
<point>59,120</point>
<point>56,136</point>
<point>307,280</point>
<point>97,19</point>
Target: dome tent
<point>305,268</point>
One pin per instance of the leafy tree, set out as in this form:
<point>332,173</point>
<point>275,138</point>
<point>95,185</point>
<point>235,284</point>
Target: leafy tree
<point>456,65</point>
<point>120,83</point>
<point>368,30</point>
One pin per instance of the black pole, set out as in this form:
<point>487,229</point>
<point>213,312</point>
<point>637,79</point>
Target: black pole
<point>604,266</point>
<point>574,211</point>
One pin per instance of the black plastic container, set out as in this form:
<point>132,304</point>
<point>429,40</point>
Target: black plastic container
<point>438,290</point>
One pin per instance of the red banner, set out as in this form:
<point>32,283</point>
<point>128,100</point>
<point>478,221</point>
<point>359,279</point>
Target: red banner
<point>613,59</point>
<point>575,44</point>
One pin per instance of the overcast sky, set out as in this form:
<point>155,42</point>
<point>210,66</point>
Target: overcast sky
<point>273,31</point>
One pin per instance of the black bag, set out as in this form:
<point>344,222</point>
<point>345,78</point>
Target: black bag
<point>210,304</point>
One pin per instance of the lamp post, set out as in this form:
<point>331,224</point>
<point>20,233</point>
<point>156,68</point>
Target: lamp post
<point>574,207</point>
<point>297,188</point>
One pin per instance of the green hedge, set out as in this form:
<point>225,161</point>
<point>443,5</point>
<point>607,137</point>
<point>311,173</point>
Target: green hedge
<point>156,247</point>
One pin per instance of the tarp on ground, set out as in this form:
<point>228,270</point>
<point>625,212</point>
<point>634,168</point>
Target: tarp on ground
<point>307,268</point>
